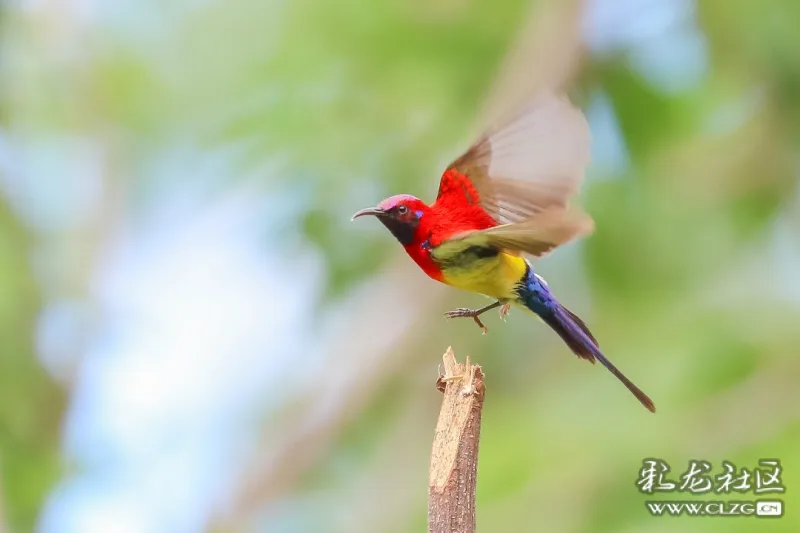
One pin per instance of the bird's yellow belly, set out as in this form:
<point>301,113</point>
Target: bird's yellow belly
<point>496,277</point>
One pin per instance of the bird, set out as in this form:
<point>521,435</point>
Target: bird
<point>503,203</point>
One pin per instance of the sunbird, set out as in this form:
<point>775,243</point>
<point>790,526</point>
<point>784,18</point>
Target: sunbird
<point>504,201</point>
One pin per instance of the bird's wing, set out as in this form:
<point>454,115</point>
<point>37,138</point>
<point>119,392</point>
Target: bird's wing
<point>533,162</point>
<point>536,236</point>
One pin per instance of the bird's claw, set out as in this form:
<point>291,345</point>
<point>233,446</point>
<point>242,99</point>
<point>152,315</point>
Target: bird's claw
<point>463,312</point>
<point>505,309</point>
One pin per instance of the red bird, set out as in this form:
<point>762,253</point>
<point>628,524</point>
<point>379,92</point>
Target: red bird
<point>507,197</point>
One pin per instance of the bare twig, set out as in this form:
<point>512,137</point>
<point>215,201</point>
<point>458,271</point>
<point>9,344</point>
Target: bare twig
<point>454,458</point>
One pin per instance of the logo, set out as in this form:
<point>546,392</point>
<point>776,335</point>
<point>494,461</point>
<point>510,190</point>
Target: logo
<point>771,508</point>
<point>701,478</point>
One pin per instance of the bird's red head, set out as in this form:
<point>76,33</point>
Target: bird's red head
<point>402,214</point>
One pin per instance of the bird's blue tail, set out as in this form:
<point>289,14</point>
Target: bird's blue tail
<point>572,330</point>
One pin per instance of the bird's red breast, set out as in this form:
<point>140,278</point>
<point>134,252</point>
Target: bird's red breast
<point>456,210</point>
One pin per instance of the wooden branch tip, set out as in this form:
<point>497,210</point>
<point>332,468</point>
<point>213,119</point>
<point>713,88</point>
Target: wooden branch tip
<point>454,457</point>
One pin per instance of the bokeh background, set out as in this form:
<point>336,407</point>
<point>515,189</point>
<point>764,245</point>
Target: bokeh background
<point>194,337</point>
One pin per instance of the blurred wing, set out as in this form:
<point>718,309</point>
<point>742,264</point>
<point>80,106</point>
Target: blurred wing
<point>533,162</point>
<point>536,236</point>
<point>544,56</point>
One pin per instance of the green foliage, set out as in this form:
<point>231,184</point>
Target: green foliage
<point>30,403</point>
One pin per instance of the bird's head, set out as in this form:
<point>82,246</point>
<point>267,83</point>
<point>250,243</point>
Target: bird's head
<point>401,214</point>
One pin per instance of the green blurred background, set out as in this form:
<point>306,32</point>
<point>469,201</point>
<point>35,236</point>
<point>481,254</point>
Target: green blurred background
<point>194,337</point>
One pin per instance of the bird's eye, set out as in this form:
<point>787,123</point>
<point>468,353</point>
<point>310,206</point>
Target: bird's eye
<point>402,210</point>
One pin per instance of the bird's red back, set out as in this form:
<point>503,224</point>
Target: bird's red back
<point>457,208</point>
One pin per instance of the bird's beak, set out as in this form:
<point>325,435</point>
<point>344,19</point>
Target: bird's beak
<point>374,211</point>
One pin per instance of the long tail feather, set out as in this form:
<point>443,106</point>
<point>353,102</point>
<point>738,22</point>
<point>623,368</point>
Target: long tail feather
<point>580,340</point>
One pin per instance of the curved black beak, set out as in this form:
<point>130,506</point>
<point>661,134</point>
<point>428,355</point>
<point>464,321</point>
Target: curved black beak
<point>374,211</point>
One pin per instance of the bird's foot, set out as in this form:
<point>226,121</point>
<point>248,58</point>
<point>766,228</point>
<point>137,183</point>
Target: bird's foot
<point>463,312</point>
<point>505,309</point>
<point>474,314</point>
